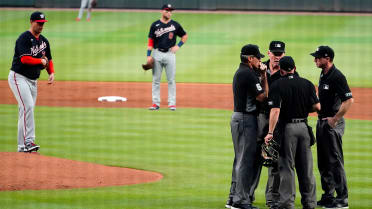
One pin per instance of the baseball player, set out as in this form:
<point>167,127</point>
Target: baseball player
<point>291,98</point>
<point>247,90</point>
<point>162,38</point>
<point>86,4</point>
<point>31,55</point>
<point>275,53</point>
<point>336,99</point>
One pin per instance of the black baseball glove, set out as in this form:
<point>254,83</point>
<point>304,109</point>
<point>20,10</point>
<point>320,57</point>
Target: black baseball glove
<point>270,153</point>
<point>94,3</point>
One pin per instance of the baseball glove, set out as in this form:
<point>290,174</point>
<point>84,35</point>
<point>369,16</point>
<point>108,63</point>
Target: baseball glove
<point>270,153</point>
<point>46,60</point>
<point>149,65</point>
<point>94,3</point>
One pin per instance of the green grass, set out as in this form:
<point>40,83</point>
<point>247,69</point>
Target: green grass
<point>192,148</point>
<point>113,45</point>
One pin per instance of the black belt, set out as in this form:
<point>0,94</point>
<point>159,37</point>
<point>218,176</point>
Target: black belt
<point>298,120</point>
<point>163,50</point>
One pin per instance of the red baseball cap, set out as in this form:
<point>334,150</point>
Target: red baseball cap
<point>38,17</point>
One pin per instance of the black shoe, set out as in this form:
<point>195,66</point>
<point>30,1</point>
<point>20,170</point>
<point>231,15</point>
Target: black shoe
<point>325,201</point>
<point>229,203</point>
<point>337,204</point>
<point>243,206</point>
<point>32,147</point>
<point>342,204</point>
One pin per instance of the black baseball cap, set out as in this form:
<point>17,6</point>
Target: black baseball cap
<point>251,49</point>
<point>323,51</point>
<point>38,17</point>
<point>167,7</point>
<point>286,63</point>
<point>277,46</point>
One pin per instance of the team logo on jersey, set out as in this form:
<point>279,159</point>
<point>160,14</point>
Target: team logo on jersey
<point>37,49</point>
<point>171,35</point>
<point>159,32</point>
<point>259,88</point>
<point>326,87</point>
<point>270,103</point>
<point>349,94</point>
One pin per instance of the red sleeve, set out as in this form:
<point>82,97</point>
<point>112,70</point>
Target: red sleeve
<point>50,69</point>
<point>28,60</point>
<point>150,43</point>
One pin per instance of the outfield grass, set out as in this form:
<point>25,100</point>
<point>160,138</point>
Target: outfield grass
<point>113,45</point>
<point>192,148</point>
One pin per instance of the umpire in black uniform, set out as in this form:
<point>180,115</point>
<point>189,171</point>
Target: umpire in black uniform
<point>336,99</point>
<point>291,99</point>
<point>247,90</point>
<point>275,53</point>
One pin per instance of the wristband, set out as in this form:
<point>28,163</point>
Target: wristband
<point>180,43</point>
<point>270,133</point>
<point>148,52</point>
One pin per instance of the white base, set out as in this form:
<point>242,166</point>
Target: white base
<point>112,99</point>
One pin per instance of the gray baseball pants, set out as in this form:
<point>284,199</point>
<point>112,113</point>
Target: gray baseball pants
<point>331,159</point>
<point>165,60</point>
<point>85,4</point>
<point>244,137</point>
<point>25,92</point>
<point>272,186</point>
<point>296,154</point>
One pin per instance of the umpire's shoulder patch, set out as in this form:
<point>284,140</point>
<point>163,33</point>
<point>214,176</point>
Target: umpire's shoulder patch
<point>258,86</point>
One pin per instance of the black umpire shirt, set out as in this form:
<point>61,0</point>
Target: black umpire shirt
<point>333,90</point>
<point>28,45</point>
<point>246,87</point>
<point>294,95</point>
<point>165,35</point>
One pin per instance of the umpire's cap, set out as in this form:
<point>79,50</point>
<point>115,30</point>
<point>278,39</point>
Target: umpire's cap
<point>277,46</point>
<point>323,51</point>
<point>38,17</point>
<point>251,49</point>
<point>286,63</point>
<point>167,7</point>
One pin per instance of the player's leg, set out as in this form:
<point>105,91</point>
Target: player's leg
<point>23,95</point>
<point>82,7</point>
<point>287,188</point>
<point>304,168</point>
<point>324,163</point>
<point>170,69</point>
<point>89,9</point>
<point>156,77</point>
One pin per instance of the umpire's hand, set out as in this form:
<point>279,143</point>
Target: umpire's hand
<point>268,138</point>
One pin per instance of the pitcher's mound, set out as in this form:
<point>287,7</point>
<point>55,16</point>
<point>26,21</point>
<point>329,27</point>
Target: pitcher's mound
<point>24,171</point>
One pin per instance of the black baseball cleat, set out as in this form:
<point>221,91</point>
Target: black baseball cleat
<point>324,201</point>
<point>229,203</point>
<point>31,147</point>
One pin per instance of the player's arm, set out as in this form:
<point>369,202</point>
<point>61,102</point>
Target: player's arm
<point>150,46</point>
<point>274,115</point>
<point>343,90</point>
<point>345,106</point>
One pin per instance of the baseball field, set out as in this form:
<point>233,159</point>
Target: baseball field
<point>190,150</point>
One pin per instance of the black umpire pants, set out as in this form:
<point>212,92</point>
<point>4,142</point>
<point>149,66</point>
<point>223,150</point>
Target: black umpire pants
<point>295,153</point>
<point>331,159</point>
<point>244,137</point>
